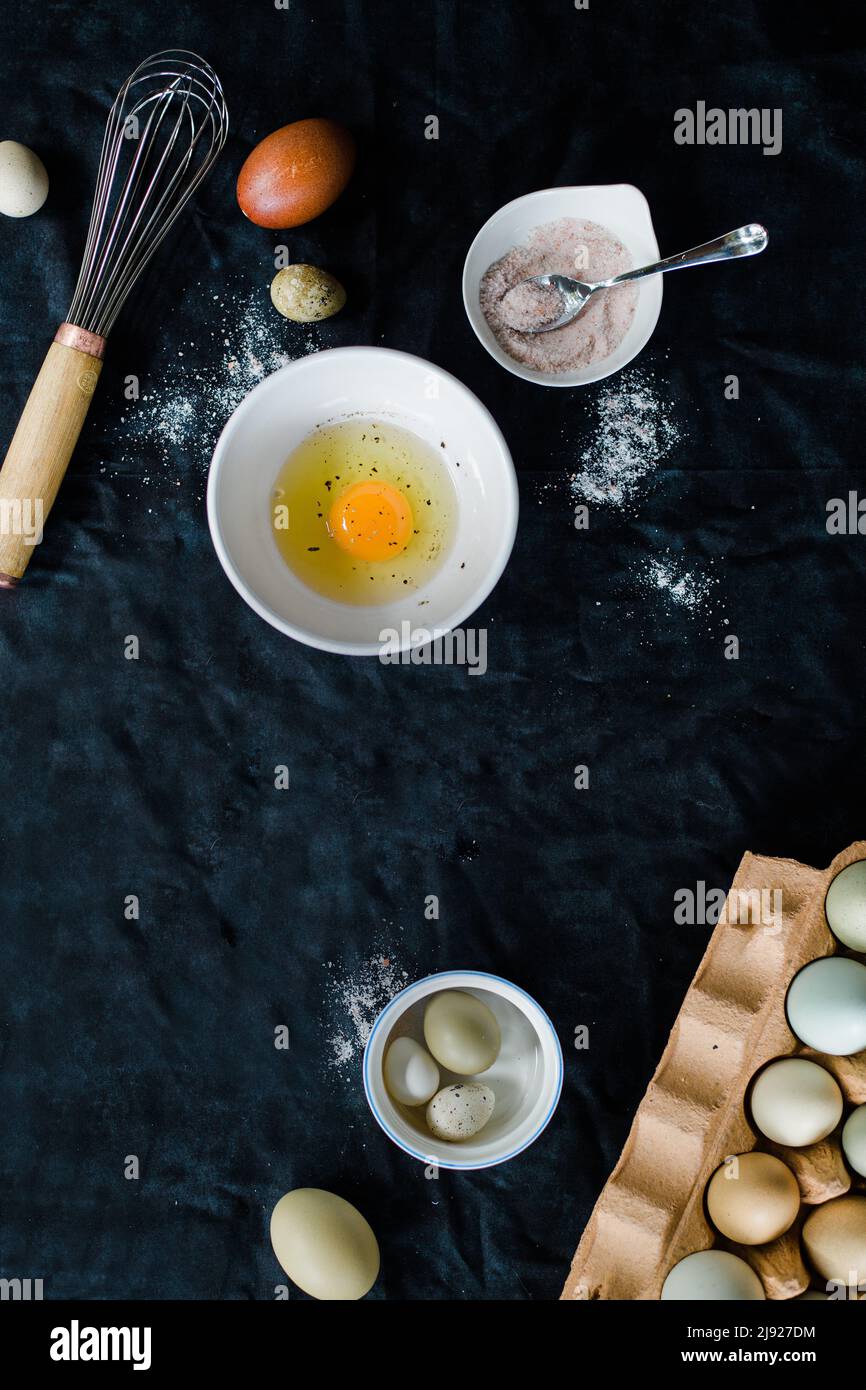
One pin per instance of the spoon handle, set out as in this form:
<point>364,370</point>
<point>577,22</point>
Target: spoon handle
<point>745,241</point>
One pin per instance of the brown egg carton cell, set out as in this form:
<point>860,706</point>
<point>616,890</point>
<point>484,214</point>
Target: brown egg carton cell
<point>820,1169</point>
<point>651,1212</point>
<point>779,1265</point>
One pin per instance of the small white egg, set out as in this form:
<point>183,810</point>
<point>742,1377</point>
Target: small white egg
<point>854,1140</point>
<point>796,1102</point>
<point>410,1073</point>
<point>845,906</point>
<point>826,1006</point>
<point>460,1111</point>
<point>23,180</point>
<point>712,1275</point>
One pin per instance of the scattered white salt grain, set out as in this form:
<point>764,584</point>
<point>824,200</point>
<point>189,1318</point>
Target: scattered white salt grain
<point>633,433</point>
<point>354,1002</point>
<point>179,418</point>
<point>673,581</point>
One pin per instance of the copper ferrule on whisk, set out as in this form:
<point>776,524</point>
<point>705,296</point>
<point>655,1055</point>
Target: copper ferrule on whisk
<point>70,335</point>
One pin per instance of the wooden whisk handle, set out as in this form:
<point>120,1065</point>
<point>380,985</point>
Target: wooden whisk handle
<point>43,443</point>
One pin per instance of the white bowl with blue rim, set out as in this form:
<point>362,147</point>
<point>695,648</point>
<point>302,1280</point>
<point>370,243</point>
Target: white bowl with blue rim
<point>526,1077</point>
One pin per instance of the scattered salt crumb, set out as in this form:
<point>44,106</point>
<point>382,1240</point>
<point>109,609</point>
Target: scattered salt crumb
<point>675,583</point>
<point>178,419</point>
<point>634,432</point>
<point>354,1002</point>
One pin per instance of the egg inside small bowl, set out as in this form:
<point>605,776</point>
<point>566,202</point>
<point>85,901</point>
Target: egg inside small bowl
<point>359,492</point>
<point>525,1078</point>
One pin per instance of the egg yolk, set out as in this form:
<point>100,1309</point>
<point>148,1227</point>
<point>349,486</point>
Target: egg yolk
<point>372,521</point>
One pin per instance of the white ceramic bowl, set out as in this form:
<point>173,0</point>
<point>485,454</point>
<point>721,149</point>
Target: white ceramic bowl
<point>623,210</point>
<point>526,1077</point>
<point>326,386</point>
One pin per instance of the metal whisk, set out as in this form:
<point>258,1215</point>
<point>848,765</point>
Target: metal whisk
<point>166,127</point>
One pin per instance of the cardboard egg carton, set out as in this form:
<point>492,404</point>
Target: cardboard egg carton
<point>651,1212</point>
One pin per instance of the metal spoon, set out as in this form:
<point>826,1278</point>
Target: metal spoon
<point>575,294</point>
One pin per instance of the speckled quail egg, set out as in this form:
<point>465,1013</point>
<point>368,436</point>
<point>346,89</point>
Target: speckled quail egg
<point>305,294</point>
<point>457,1112</point>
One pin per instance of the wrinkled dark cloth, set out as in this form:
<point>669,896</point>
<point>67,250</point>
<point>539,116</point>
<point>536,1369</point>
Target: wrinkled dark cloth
<point>155,778</point>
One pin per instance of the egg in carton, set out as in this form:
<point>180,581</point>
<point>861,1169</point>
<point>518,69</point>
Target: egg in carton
<point>695,1115</point>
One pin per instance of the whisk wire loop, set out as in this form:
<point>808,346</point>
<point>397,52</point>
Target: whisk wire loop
<point>166,127</point>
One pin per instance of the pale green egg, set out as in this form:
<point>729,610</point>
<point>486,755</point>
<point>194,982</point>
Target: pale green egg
<point>324,1244</point>
<point>461,1032</point>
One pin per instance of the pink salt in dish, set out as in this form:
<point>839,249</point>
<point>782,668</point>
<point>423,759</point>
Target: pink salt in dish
<point>529,307</point>
<point>583,250</point>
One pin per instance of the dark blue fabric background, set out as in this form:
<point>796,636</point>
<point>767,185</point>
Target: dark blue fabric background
<point>156,777</point>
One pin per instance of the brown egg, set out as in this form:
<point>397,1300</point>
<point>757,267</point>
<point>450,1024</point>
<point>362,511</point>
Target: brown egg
<point>834,1236</point>
<point>753,1199</point>
<point>296,173</point>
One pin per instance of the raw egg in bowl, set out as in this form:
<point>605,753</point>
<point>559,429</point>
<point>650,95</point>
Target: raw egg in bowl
<point>359,492</point>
